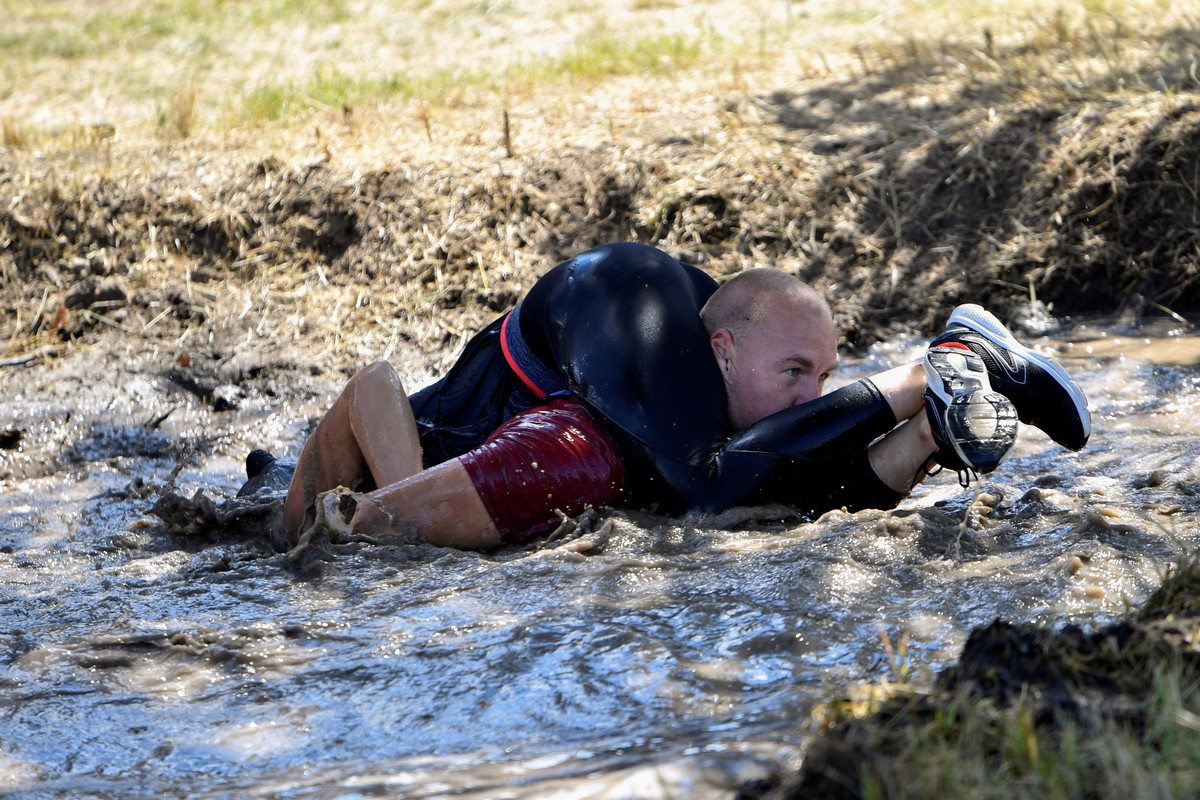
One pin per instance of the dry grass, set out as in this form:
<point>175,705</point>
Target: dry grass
<point>902,159</point>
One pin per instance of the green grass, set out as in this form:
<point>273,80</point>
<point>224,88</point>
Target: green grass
<point>50,29</point>
<point>330,88</point>
<point>1134,734</point>
<point>195,30</point>
<point>973,749</point>
<point>600,58</point>
<point>604,57</point>
<point>198,42</point>
<point>191,65</point>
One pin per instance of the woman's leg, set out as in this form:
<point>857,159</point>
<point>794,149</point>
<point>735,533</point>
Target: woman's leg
<point>369,430</point>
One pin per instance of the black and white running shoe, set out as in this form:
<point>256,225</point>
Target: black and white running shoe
<point>973,426</point>
<point>1043,392</point>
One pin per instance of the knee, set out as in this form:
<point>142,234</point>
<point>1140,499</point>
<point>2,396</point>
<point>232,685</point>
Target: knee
<point>374,371</point>
<point>376,374</point>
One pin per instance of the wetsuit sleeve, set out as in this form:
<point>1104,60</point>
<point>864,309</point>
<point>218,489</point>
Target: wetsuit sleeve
<point>812,455</point>
<point>622,324</point>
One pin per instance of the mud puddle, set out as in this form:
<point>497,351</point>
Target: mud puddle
<point>646,657</point>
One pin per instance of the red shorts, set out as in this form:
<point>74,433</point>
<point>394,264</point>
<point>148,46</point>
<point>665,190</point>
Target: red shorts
<point>551,458</point>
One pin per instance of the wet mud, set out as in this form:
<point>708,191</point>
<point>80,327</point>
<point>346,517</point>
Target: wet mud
<point>156,635</point>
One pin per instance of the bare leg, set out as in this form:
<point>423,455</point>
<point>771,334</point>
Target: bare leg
<point>903,388</point>
<point>441,505</point>
<point>899,458</point>
<point>369,429</point>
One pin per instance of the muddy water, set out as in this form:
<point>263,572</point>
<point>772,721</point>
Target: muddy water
<point>643,658</point>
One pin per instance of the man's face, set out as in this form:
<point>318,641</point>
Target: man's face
<point>776,363</point>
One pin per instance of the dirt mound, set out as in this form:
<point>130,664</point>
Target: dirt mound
<point>1016,695</point>
<point>897,212</point>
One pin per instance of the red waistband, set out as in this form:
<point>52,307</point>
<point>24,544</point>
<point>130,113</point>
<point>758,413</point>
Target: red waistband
<point>512,362</point>
<point>541,380</point>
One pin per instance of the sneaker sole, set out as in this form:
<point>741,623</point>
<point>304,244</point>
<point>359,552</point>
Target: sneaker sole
<point>965,396</point>
<point>992,420</point>
<point>983,322</point>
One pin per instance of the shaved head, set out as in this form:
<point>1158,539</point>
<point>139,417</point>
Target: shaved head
<point>773,338</point>
<point>746,299</point>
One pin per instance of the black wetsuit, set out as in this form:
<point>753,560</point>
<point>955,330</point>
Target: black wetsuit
<point>619,327</point>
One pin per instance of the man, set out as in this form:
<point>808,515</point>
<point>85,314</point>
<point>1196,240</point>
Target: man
<point>626,378</point>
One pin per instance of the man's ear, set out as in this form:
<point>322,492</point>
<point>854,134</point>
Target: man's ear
<point>723,350</point>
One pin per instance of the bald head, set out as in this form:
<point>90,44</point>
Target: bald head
<point>751,296</point>
<point>773,338</point>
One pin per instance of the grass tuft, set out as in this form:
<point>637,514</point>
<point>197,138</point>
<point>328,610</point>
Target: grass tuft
<point>1030,712</point>
<point>178,117</point>
<point>13,135</point>
<point>605,57</point>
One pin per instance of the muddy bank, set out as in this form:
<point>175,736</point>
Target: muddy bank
<point>897,207</point>
<point>1015,704</point>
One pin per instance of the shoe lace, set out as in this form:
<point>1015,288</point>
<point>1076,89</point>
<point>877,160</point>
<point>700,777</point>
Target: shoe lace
<point>930,467</point>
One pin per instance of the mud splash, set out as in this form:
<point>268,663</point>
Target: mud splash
<point>631,656</point>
